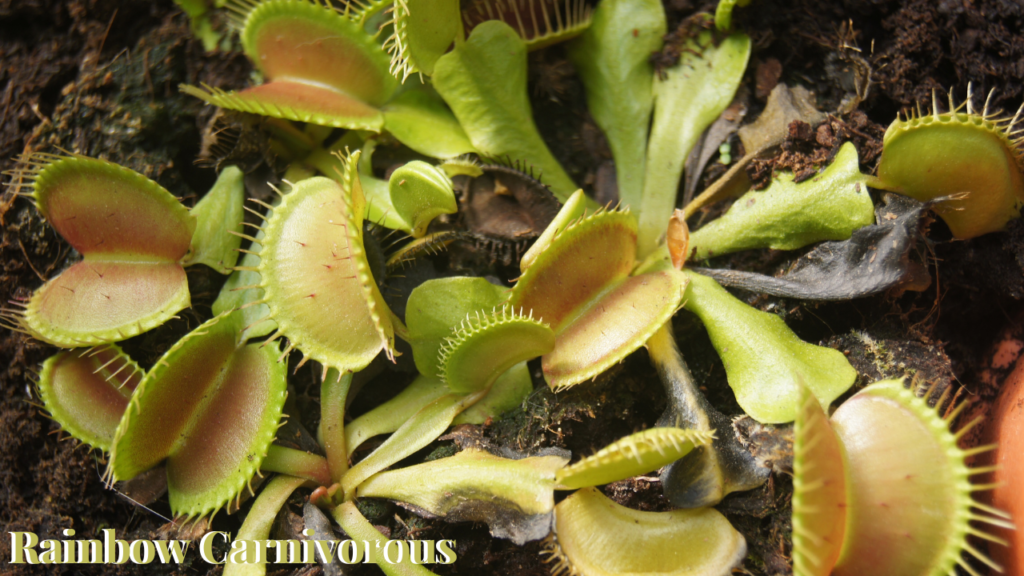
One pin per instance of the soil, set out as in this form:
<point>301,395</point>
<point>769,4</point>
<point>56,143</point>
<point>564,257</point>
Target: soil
<point>100,77</point>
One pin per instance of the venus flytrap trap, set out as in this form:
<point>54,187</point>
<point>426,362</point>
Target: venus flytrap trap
<point>87,391</point>
<point>594,536</point>
<point>883,487</point>
<point>209,409</point>
<point>580,283</point>
<point>971,161</point>
<point>321,66</point>
<point>133,236</point>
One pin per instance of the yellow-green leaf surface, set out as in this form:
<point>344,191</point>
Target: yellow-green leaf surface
<point>691,96</point>
<point>613,59</point>
<point>909,499</point>
<point>420,119</point>
<point>483,80</point>
<point>218,214</point>
<point>316,279</point>
<point>422,429</point>
<point>764,360</point>
<point>475,486</point>
<point>321,67</point>
<point>788,216</point>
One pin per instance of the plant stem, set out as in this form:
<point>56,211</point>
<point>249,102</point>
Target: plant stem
<point>333,392</point>
<point>294,462</point>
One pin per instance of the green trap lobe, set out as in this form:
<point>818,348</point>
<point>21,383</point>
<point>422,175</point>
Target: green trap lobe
<point>87,392</point>
<point>580,263</point>
<point>104,210</point>
<point>316,279</point>
<point>303,102</point>
<point>908,489</point>
<point>95,302</point>
<point>616,324</point>
<point>171,395</point>
<point>222,435</point>
<point>299,41</point>
<point>819,490</point>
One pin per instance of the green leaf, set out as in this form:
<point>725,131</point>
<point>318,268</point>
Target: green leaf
<point>210,409</point>
<point>692,95</point>
<point>766,363</point>
<point>788,216</point>
<point>436,308</point>
<point>258,522</point>
<point>398,409</point>
<point>422,429</point>
<point>507,392</point>
<point>636,454</point>
<point>87,391</point>
<point>420,192</point>
<point>483,80</point>
<point>420,119</point>
<point>218,214</point>
<point>514,497</point>
<point>613,58</point>
<point>242,291</point>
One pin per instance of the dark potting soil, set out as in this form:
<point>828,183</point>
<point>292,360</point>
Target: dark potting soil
<point>100,77</point>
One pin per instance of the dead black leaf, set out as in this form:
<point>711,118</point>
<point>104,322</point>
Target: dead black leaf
<point>876,258</point>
